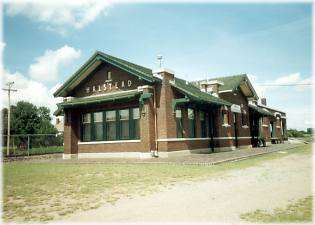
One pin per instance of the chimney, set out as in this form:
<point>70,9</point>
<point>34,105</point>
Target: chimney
<point>263,101</point>
<point>166,75</point>
<point>211,87</point>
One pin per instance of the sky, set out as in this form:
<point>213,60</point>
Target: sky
<point>45,43</point>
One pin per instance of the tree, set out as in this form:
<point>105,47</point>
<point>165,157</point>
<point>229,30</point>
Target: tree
<point>26,118</point>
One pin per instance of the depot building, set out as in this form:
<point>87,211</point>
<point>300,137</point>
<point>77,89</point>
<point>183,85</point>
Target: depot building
<point>115,108</point>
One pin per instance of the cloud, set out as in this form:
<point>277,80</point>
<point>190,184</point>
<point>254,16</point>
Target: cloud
<point>59,15</point>
<point>294,100</point>
<point>280,83</point>
<point>46,68</point>
<point>29,90</point>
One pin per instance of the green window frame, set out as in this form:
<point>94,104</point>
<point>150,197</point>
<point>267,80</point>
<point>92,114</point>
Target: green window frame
<point>111,125</point>
<point>86,127</point>
<point>98,126</point>
<point>191,123</point>
<point>179,123</point>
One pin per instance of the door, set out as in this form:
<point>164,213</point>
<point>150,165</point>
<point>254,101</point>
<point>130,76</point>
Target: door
<point>235,129</point>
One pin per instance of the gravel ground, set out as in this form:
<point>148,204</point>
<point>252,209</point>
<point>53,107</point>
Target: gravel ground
<point>270,185</point>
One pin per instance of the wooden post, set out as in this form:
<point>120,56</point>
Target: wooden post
<point>28,145</point>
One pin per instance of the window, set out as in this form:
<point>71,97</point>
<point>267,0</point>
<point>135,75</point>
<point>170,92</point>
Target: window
<point>86,127</point>
<point>203,124</point>
<point>225,117</point>
<point>98,126</point>
<point>191,122</point>
<point>110,125</point>
<point>109,75</point>
<point>243,118</point>
<point>124,123</point>
<point>136,123</point>
<point>271,127</point>
<point>179,123</point>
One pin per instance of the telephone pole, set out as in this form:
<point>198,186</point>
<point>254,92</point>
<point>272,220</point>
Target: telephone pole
<point>9,89</point>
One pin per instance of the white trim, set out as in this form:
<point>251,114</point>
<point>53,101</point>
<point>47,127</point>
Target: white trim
<point>69,156</point>
<point>226,125</point>
<point>245,126</point>
<point>230,138</point>
<point>141,155</point>
<point>162,70</point>
<point>244,137</point>
<point>226,91</point>
<point>109,94</point>
<point>265,125</point>
<point>199,139</point>
<point>277,126</point>
<point>107,142</point>
<point>183,139</point>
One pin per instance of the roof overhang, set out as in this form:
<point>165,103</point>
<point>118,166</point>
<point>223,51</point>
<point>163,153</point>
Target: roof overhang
<point>96,59</point>
<point>260,110</point>
<point>247,89</point>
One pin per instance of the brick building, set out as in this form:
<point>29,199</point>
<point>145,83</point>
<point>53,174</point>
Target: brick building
<point>114,108</point>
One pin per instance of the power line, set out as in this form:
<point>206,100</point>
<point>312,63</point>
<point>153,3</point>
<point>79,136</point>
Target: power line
<point>284,85</point>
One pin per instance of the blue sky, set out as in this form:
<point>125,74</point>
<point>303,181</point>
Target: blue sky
<point>270,42</point>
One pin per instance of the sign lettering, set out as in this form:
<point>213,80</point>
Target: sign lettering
<point>108,86</point>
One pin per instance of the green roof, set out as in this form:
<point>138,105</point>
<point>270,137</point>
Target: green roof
<point>121,95</point>
<point>137,70</point>
<point>196,94</point>
<point>260,110</point>
<point>230,82</point>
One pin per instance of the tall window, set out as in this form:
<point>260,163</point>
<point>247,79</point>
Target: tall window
<point>191,123</point>
<point>271,127</point>
<point>179,123</point>
<point>124,123</point>
<point>109,75</point>
<point>86,127</point>
<point>203,124</point>
<point>225,117</point>
<point>111,125</point>
<point>98,126</point>
<point>243,118</point>
<point>136,123</point>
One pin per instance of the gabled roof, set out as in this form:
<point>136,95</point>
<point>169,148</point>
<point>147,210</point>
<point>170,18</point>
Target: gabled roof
<point>196,94</point>
<point>232,83</point>
<point>272,109</point>
<point>93,62</point>
<point>260,110</point>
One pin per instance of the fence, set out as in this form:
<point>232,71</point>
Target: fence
<point>32,144</point>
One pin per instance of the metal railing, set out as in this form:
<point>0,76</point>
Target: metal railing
<point>32,144</point>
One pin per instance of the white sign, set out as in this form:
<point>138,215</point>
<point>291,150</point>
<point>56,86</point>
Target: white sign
<point>236,108</point>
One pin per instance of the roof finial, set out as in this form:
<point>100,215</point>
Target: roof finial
<point>160,58</point>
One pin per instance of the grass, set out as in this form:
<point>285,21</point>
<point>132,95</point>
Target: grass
<point>46,191</point>
<point>299,211</point>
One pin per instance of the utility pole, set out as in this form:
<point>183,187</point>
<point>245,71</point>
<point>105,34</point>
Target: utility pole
<point>9,89</point>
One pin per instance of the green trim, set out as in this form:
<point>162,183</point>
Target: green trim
<point>178,101</point>
<point>144,97</point>
<point>195,94</point>
<point>99,99</point>
<point>139,71</point>
<point>260,110</point>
